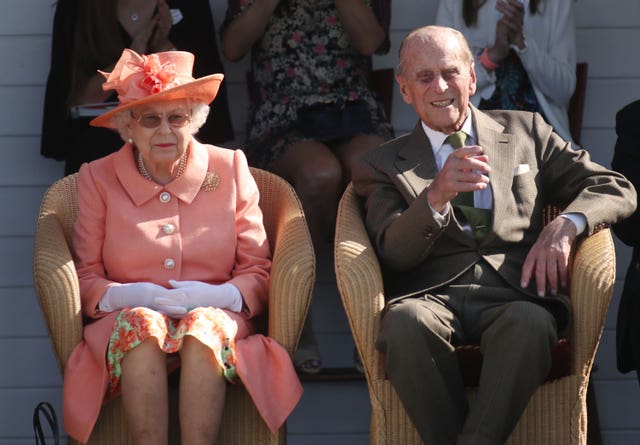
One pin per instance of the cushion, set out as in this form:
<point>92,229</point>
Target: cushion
<point>470,360</point>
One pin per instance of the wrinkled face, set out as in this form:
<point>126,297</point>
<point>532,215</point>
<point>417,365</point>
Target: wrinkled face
<point>161,131</point>
<point>437,81</point>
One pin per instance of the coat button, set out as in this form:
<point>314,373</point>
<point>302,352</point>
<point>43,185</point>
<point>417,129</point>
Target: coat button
<point>169,263</point>
<point>168,229</point>
<point>165,197</point>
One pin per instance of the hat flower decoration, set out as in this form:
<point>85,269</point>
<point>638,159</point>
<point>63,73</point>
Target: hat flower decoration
<point>158,76</point>
<point>143,79</point>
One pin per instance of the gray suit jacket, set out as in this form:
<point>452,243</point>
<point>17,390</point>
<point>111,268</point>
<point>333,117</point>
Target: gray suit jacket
<point>418,254</point>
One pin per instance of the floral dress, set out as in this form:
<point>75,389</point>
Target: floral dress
<point>211,326</point>
<point>305,58</point>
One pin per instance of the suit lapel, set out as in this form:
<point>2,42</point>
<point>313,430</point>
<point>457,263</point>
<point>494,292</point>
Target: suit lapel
<point>417,168</point>
<point>416,163</point>
<point>501,150</point>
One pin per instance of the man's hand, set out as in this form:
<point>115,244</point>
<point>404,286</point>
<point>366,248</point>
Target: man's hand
<point>549,256</point>
<point>465,170</point>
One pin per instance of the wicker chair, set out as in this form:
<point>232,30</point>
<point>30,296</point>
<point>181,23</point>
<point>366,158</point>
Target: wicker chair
<point>557,412</point>
<point>291,283</point>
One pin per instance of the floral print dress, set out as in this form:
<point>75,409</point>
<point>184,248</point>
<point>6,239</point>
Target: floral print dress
<point>305,58</point>
<point>211,326</point>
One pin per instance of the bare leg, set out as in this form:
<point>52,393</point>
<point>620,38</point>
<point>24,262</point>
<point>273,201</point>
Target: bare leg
<point>316,175</point>
<point>352,151</point>
<point>145,393</point>
<point>202,393</point>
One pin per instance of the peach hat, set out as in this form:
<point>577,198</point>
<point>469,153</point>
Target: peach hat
<point>142,79</point>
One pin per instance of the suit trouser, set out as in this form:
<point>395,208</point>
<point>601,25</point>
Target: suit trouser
<point>418,336</point>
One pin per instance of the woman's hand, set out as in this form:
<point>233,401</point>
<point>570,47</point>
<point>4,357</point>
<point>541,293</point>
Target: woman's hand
<point>192,294</point>
<point>159,39</point>
<point>361,24</point>
<point>500,49</point>
<point>140,42</point>
<point>154,36</point>
<point>125,295</point>
<point>240,35</point>
<point>513,19</point>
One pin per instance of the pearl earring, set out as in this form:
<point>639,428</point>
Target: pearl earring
<point>130,140</point>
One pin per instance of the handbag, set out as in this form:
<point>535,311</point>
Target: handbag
<point>45,409</point>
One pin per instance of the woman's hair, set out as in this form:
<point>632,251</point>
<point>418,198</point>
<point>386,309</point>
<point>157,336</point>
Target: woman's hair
<point>97,41</point>
<point>199,113</point>
<point>470,9</point>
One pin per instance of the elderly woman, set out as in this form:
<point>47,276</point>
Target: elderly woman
<point>173,263</point>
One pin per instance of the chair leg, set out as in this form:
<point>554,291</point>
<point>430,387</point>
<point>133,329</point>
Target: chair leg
<point>593,421</point>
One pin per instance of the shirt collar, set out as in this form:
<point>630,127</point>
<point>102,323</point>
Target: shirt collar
<point>436,138</point>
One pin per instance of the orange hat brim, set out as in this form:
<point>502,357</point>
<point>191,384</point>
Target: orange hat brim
<point>203,90</point>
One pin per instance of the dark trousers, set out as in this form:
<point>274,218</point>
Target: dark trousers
<point>418,336</point>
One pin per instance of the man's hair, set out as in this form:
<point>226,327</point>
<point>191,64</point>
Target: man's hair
<point>423,36</point>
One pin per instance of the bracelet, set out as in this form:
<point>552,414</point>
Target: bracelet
<point>486,61</point>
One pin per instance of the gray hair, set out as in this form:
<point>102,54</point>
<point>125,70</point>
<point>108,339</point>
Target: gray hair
<point>425,36</point>
<point>199,113</point>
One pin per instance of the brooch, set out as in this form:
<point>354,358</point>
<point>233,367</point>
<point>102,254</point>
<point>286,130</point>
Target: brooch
<point>210,183</point>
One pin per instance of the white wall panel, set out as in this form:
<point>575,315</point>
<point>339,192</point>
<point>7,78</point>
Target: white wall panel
<point>24,319</point>
<point>23,165</point>
<point>33,363</point>
<point>24,203</point>
<point>607,36</point>
<point>21,110</point>
<point>25,60</point>
<point>26,17</point>
<point>16,262</point>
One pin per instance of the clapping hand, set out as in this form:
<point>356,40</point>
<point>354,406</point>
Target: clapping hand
<point>513,19</point>
<point>509,29</point>
<point>162,21</point>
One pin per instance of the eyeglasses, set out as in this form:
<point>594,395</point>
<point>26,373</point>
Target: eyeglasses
<point>176,120</point>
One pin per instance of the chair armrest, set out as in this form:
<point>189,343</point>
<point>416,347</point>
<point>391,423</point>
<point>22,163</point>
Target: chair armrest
<point>291,282</point>
<point>592,280</point>
<point>293,259</point>
<point>359,280</point>
<point>56,284</point>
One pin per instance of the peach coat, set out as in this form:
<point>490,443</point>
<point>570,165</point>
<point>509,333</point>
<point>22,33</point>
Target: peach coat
<point>130,229</point>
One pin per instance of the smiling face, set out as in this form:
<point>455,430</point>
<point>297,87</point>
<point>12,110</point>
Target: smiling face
<point>437,77</point>
<point>161,147</point>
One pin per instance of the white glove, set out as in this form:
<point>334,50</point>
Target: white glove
<point>125,295</point>
<point>199,294</point>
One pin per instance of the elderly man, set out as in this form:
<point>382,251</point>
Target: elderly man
<point>454,210</point>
